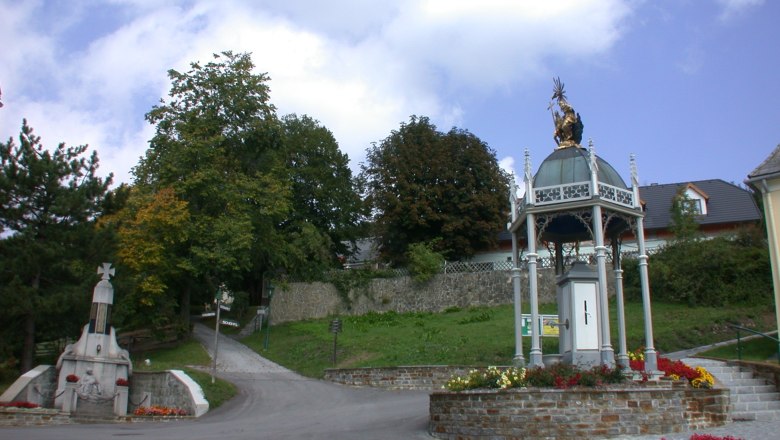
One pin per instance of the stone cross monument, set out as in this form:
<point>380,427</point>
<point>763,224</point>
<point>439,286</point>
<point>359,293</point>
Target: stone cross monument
<point>96,361</point>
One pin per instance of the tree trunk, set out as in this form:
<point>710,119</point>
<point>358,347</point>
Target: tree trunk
<point>184,306</point>
<point>28,348</point>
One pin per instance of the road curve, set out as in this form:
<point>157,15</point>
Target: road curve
<point>272,403</point>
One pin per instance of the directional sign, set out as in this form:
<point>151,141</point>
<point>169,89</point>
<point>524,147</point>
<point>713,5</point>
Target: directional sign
<point>229,322</point>
<point>224,307</point>
<point>207,314</point>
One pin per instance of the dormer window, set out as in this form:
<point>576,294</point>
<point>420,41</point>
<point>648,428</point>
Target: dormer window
<point>695,200</point>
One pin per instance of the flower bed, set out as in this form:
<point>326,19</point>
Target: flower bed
<point>559,376</point>
<point>28,405</point>
<point>698,377</point>
<point>159,411</point>
<point>562,401</point>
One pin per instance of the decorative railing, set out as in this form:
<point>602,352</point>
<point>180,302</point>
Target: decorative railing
<point>616,195</point>
<point>580,191</point>
<point>562,193</point>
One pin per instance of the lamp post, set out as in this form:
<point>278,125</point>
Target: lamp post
<point>268,318</point>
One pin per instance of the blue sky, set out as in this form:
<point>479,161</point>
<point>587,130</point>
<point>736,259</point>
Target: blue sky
<point>688,86</point>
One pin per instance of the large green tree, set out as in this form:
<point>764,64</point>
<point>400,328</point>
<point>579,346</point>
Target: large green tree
<point>423,184</point>
<point>261,194</point>
<point>217,147</point>
<point>324,192</point>
<point>49,200</point>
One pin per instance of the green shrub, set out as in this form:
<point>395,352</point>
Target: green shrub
<point>711,272</point>
<point>353,279</point>
<point>424,262</point>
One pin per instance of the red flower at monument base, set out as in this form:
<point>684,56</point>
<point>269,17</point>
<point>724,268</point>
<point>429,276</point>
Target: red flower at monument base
<point>122,382</point>
<point>19,404</point>
<point>72,378</point>
<point>159,411</point>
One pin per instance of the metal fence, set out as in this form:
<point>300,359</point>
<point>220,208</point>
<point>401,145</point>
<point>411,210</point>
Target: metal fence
<point>545,262</point>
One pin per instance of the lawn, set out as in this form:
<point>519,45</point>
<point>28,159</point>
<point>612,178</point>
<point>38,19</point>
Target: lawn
<point>479,336</point>
<point>759,349</point>
<point>191,357</point>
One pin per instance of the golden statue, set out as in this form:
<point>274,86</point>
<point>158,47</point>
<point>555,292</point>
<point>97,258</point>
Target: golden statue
<point>568,126</point>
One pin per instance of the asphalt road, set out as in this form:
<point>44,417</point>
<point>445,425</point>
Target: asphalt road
<point>276,404</point>
<point>273,403</point>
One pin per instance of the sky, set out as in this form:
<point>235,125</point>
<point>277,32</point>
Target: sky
<point>690,87</point>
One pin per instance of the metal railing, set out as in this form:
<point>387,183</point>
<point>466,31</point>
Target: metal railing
<point>739,328</point>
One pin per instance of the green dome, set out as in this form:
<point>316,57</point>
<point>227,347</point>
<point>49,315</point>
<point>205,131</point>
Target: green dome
<point>570,165</point>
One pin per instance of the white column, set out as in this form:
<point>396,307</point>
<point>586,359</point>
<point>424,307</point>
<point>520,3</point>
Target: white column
<point>622,357</point>
<point>536,346</point>
<point>651,357</point>
<point>607,354</point>
<point>519,359</point>
<point>771,231</point>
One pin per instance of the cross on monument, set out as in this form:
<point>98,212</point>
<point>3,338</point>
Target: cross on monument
<point>106,270</point>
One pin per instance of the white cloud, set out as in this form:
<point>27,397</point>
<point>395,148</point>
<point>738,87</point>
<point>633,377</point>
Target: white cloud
<point>734,8</point>
<point>361,68</point>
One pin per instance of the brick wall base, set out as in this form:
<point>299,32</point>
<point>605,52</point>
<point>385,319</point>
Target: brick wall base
<point>653,408</point>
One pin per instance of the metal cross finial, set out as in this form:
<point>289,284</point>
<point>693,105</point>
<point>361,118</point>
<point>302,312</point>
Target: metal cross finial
<point>106,270</point>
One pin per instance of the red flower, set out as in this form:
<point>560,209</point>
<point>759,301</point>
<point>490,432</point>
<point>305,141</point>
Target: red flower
<point>72,378</point>
<point>18,404</point>
<point>122,382</point>
<point>155,410</point>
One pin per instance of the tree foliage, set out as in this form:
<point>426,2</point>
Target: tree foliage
<point>683,217</point>
<point>424,262</point>
<point>49,200</point>
<point>324,193</point>
<point>227,191</point>
<point>714,272</point>
<point>423,184</point>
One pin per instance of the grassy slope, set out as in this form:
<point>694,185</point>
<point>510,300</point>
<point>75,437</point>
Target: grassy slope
<point>479,336</point>
<point>183,357</point>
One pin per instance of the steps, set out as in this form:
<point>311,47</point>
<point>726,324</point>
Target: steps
<point>752,398</point>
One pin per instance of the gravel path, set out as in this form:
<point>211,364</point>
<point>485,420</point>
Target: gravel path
<point>235,357</point>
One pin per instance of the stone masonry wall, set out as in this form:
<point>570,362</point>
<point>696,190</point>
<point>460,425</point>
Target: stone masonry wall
<point>397,378</point>
<point>164,389</point>
<point>299,301</point>
<point>576,414</point>
<point>33,417</point>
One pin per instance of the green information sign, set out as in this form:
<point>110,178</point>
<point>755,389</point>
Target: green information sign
<point>548,324</point>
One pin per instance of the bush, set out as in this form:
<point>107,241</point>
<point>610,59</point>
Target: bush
<point>713,272</point>
<point>424,262</point>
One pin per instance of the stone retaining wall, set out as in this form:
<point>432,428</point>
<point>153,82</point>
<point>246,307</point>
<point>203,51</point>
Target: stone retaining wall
<point>397,378</point>
<point>33,417</point>
<point>657,408</point>
<point>163,389</point>
<point>299,301</point>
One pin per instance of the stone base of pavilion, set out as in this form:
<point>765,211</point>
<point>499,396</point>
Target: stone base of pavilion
<point>660,407</point>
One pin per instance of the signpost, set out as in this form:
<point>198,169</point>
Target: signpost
<point>222,299</point>
<point>335,328</point>
<point>268,317</point>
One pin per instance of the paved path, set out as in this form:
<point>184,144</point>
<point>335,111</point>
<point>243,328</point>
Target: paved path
<point>273,403</point>
<point>277,404</point>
